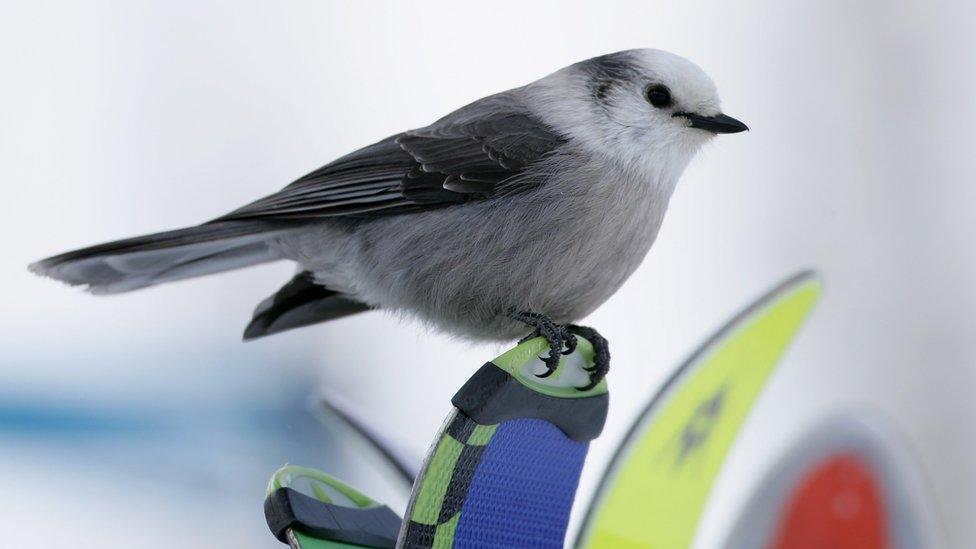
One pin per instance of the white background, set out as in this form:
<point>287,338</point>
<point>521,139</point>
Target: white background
<point>130,117</point>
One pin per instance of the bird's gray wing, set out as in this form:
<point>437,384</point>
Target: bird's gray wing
<point>480,151</point>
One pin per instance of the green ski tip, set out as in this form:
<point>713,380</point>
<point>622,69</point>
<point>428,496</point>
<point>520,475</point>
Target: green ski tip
<point>524,364</point>
<point>316,484</point>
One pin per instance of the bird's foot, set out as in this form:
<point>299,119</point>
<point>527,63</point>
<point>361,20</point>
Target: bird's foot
<point>601,354</point>
<point>561,340</point>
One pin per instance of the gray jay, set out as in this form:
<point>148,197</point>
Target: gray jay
<point>528,207</point>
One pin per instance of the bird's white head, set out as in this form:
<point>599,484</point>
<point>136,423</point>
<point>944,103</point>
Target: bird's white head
<point>647,110</point>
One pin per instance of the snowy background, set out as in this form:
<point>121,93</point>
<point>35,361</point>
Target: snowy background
<point>143,420</point>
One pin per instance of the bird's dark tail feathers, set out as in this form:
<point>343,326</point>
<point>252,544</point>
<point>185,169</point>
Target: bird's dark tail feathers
<point>147,260</point>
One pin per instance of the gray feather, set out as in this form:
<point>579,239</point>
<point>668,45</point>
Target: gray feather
<point>490,141</point>
<point>133,263</point>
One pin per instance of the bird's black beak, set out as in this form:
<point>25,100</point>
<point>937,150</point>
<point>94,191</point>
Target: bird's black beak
<point>719,123</point>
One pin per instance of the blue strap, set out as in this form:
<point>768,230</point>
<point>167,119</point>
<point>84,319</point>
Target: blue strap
<point>523,488</point>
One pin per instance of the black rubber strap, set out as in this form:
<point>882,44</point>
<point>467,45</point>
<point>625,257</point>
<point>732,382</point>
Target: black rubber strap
<point>370,527</point>
<point>492,396</point>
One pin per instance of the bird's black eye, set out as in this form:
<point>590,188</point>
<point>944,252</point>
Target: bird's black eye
<point>658,95</point>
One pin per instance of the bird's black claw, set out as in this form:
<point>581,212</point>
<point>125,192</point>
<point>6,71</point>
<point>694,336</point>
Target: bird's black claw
<point>561,341</point>
<point>570,343</point>
<point>556,344</point>
<point>593,383</point>
<point>601,354</point>
<point>550,366</point>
